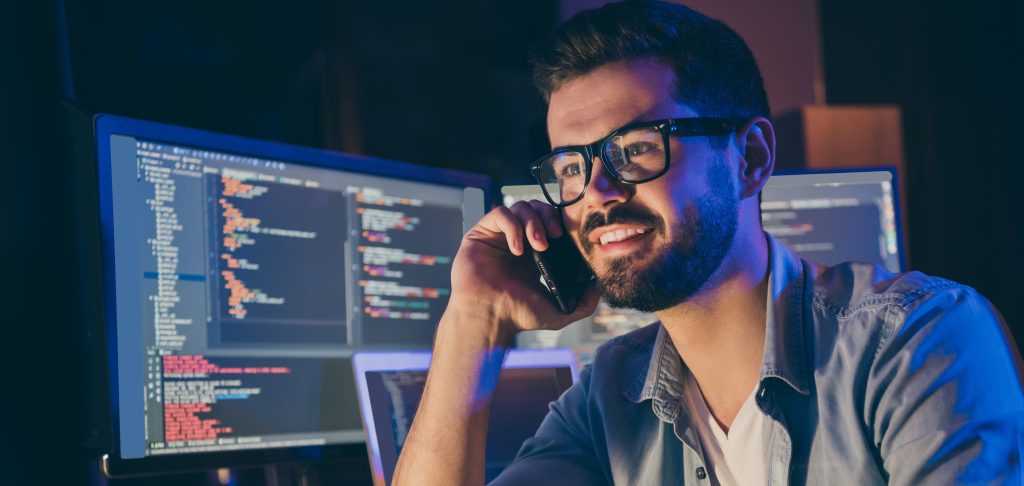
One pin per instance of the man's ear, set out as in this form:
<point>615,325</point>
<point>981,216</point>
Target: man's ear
<point>756,142</point>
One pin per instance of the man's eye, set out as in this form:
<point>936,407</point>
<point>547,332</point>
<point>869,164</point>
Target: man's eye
<point>640,148</point>
<point>569,170</point>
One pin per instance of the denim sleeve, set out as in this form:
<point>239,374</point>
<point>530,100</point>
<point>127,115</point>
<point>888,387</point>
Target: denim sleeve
<point>562,451</point>
<point>944,395</point>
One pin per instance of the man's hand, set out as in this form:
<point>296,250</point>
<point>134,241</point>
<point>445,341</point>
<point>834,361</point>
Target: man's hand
<point>496,292</point>
<point>493,269</point>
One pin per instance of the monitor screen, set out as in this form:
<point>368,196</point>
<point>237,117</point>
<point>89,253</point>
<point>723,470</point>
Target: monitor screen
<point>392,385</point>
<point>831,217</point>
<point>824,216</point>
<point>242,275</point>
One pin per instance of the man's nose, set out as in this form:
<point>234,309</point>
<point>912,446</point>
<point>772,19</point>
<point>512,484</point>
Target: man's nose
<point>604,188</point>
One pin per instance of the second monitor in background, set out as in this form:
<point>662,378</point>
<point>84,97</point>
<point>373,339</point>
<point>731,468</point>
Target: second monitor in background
<point>824,216</point>
<point>831,217</point>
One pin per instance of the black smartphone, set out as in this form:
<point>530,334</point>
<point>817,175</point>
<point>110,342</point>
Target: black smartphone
<point>564,272</point>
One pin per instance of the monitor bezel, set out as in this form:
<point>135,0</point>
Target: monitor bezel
<point>499,197</point>
<point>897,200</point>
<point>104,126</point>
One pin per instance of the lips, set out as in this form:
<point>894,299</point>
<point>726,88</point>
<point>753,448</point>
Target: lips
<point>621,229</point>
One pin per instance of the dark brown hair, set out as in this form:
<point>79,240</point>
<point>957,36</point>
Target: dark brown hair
<point>716,73</point>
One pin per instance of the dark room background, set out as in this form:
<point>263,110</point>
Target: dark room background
<point>439,83</point>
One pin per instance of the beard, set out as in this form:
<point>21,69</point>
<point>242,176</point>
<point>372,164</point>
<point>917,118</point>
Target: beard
<point>699,245</point>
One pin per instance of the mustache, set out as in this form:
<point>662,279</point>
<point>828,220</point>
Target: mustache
<point>618,215</point>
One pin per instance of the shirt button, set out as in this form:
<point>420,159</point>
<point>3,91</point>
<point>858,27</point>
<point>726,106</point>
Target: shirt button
<point>701,474</point>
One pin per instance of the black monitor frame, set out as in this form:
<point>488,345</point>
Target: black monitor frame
<point>111,462</point>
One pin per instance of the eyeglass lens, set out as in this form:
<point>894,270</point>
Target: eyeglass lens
<point>635,155</point>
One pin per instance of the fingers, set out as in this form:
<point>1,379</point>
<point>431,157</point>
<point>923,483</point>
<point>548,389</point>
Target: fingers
<point>535,228</point>
<point>539,219</point>
<point>535,220</point>
<point>506,222</point>
<point>550,215</point>
<point>539,311</point>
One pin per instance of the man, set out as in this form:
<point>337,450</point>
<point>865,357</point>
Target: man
<point>764,368</point>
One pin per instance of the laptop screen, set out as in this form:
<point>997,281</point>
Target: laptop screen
<point>529,382</point>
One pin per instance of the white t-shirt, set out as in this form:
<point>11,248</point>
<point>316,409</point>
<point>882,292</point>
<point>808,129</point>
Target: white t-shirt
<point>736,458</point>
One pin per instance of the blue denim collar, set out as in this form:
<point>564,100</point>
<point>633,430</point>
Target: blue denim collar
<point>784,347</point>
<point>791,283</point>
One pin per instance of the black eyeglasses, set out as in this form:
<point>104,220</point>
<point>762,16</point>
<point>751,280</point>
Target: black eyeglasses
<point>633,154</point>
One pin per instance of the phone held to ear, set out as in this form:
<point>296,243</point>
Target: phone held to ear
<point>564,272</point>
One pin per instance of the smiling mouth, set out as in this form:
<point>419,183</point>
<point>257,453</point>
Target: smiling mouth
<point>621,235</point>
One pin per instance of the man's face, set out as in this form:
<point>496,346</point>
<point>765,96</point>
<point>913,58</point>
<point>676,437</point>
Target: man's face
<point>655,244</point>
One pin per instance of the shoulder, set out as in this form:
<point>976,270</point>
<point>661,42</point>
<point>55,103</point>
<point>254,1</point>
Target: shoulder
<point>914,326</point>
<point>902,304</point>
<point>923,355</point>
<point>848,288</point>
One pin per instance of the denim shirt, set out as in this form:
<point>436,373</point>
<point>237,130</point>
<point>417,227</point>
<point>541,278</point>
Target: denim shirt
<point>868,377</point>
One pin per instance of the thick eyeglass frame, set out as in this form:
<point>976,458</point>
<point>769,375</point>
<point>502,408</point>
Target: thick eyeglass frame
<point>680,127</point>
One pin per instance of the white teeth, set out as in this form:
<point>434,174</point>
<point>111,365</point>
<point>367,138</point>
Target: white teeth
<point>619,235</point>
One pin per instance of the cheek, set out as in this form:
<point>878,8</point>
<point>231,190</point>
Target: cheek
<point>665,198</point>
<point>677,190</point>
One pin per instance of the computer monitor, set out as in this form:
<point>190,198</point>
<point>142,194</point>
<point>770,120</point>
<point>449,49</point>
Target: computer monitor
<point>827,216</point>
<point>391,385</point>
<point>834,216</point>
<point>241,276</point>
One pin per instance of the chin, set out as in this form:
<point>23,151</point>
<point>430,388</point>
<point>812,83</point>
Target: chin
<point>665,277</point>
<point>636,264</point>
<point>625,282</point>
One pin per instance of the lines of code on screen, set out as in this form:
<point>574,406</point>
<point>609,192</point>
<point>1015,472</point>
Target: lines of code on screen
<point>280,250</point>
<point>835,217</point>
<point>259,279</point>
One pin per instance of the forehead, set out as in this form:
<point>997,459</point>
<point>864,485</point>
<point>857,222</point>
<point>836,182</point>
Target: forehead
<point>589,107</point>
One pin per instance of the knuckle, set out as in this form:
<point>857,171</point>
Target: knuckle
<point>501,211</point>
<point>539,205</point>
<point>525,212</point>
<point>504,216</point>
<point>544,209</point>
<point>520,206</point>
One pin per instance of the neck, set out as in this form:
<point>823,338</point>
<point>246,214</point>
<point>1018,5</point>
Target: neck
<point>720,332</point>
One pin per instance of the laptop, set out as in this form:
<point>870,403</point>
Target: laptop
<point>390,385</point>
